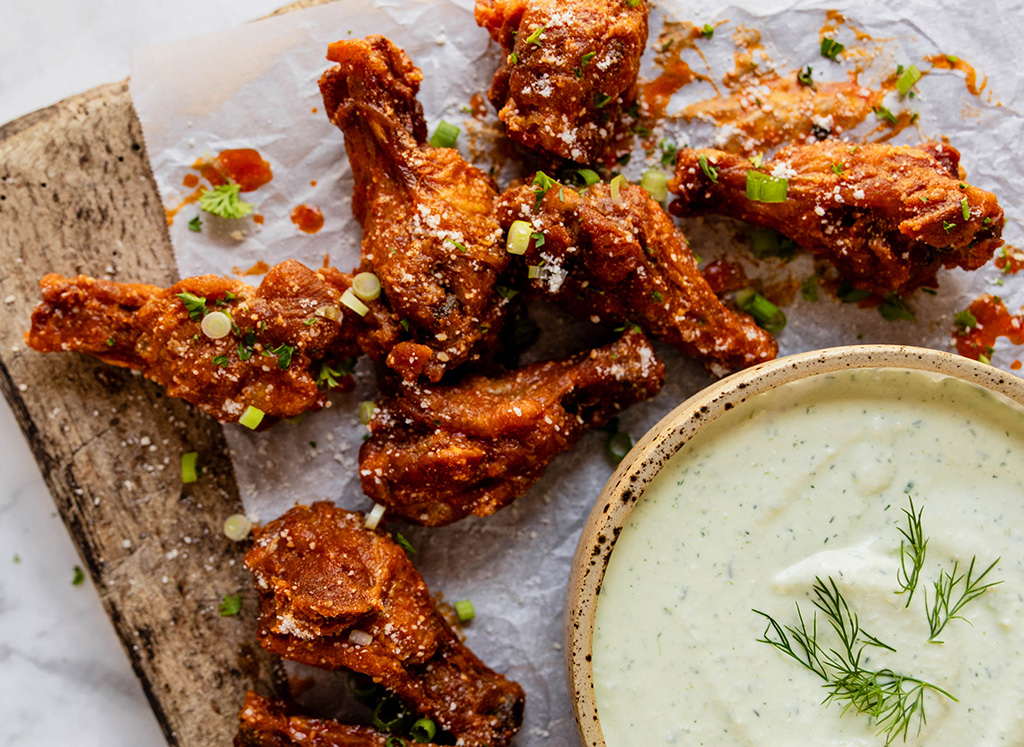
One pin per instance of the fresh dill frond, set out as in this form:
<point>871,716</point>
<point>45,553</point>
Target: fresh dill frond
<point>893,702</point>
<point>913,548</point>
<point>225,201</point>
<point>954,592</point>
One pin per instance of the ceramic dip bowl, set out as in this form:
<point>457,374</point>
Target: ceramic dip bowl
<point>862,480</point>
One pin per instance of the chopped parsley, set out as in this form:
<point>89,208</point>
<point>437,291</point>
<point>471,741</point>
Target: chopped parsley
<point>601,99</point>
<point>586,58</point>
<point>542,183</point>
<point>534,38</point>
<point>656,296</point>
<point>965,320</point>
<point>883,113</point>
<point>538,239</point>
<point>837,168</point>
<point>221,360</point>
<point>225,201</point>
<point>404,543</point>
<point>459,245</point>
<point>830,48</point>
<point>947,226</point>
<point>809,288</point>
<point>709,171</point>
<point>195,224</point>
<point>708,31</point>
<point>110,342</point>
<point>79,576</point>
<point>804,77</point>
<point>194,305</point>
<point>507,293</point>
<point>894,309</point>
<point>231,605</point>
<point>668,152</point>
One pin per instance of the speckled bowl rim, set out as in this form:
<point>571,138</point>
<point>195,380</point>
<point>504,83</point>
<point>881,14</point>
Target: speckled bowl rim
<point>662,441</point>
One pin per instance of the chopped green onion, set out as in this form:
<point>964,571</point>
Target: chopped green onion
<point>709,171</point>
<point>194,305</point>
<point>252,417</point>
<point>505,292</point>
<point>422,730</point>
<point>464,610</point>
<point>804,77</point>
<point>195,224</point>
<point>231,605</point>
<point>216,325</point>
<point>518,237</point>
<point>601,99</point>
<point>766,188</point>
<point>404,543</point>
<point>965,208</point>
<point>533,272</point>
<point>615,186</point>
<point>907,79</point>
<point>894,309</point>
<point>765,242</point>
<point>656,184</point>
<point>458,245</point>
<point>189,473</point>
<point>373,518</point>
<point>237,527</point>
<point>534,38</point>
<point>110,342</point>
<point>589,176</point>
<point>708,31</point>
<point>767,315</point>
<point>965,320</point>
<point>389,714</point>
<point>830,48</point>
<point>366,286</point>
<point>444,136</point>
<point>364,689</point>
<point>883,113</point>
<point>618,445</point>
<point>757,160</point>
<point>348,298</point>
<point>366,409</point>
<point>633,3</point>
<point>330,312</point>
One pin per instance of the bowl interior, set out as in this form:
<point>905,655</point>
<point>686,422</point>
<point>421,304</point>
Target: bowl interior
<point>625,487</point>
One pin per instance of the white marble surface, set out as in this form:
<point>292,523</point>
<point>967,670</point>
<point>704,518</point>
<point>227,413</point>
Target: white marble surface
<point>64,679</point>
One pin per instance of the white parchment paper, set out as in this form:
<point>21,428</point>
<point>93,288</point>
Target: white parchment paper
<point>255,86</point>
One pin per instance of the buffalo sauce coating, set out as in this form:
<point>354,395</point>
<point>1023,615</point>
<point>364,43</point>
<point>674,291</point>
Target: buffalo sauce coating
<point>993,321</point>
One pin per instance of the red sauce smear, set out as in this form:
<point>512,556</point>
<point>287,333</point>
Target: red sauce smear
<point>1015,366</point>
<point>244,166</point>
<point>724,276</point>
<point>994,321</point>
<point>1010,260</point>
<point>191,181</point>
<point>257,219</point>
<point>307,218</point>
<point>312,182</point>
<point>948,62</point>
<point>675,72</point>
<point>478,104</point>
<point>260,268</point>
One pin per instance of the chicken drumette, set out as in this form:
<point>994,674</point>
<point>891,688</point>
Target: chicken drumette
<point>887,217</point>
<point>616,257</point>
<point>429,229</point>
<point>282,345</point>
<point>334,594</point>
<point>570,70</point>
<point>437,454</point>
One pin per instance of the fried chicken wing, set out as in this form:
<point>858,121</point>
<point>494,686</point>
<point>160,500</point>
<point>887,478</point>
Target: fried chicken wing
<point>285,337</point>
<point>438,454</point>
<point>887,217</point>
<point>621,260</point>
<point>334,594</point>
<point>271,723</point>
<point>429,230</point>
<point>570,70</point>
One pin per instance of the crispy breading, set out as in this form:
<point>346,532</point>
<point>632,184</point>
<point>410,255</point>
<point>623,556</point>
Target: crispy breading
<point>569,70</point>
<point>271,360</point>
<point>322,575</point>
<point>887,217</point>
<point>429,229</point>
<point>439,453</point>
<point>620,260</point>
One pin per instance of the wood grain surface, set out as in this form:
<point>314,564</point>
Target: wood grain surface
<point>77,196</point>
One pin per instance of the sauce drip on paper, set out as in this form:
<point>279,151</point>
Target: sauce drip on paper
<point>993,321</point>
<point>307,218</point>
<point>244,166</point>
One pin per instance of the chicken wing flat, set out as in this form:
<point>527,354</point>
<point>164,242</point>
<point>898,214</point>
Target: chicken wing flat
<point>283,348</point>
<point>438,454</point>
<point>334,594</point>
<point>619,259</point>
<point>271,723</point>
<point>570,70</point>
<point>429,229</point>
<point>887,217</point>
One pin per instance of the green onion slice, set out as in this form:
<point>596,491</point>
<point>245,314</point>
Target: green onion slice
<point>348,298</point>
<point>366,409</point>
<point>766,188</point>
<point>189,473</point>
<point>519,237</point>
<point>907,79</point>
<point>656,184</point>
<point>965,208</point>
<point>767,315</point>
<point>422,730</point>
<point>830,48</point>
<point>618,445</point>
<point>616,185</point>
<point>589,176</point>
<point>364,689</point>
<point>444,136</point>
<point>366,286</point>
<point>252,417</point>
<point>237,527</point>
<point>389,714</point>
<point>464,610</point>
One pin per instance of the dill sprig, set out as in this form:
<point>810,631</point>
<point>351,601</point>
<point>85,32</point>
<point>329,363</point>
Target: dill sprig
<point>954,592</point>
<point>892,701</point>
<point>913,548</point>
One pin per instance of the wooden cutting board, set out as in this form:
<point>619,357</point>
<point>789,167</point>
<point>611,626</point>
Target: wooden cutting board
<point>77,196</point>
